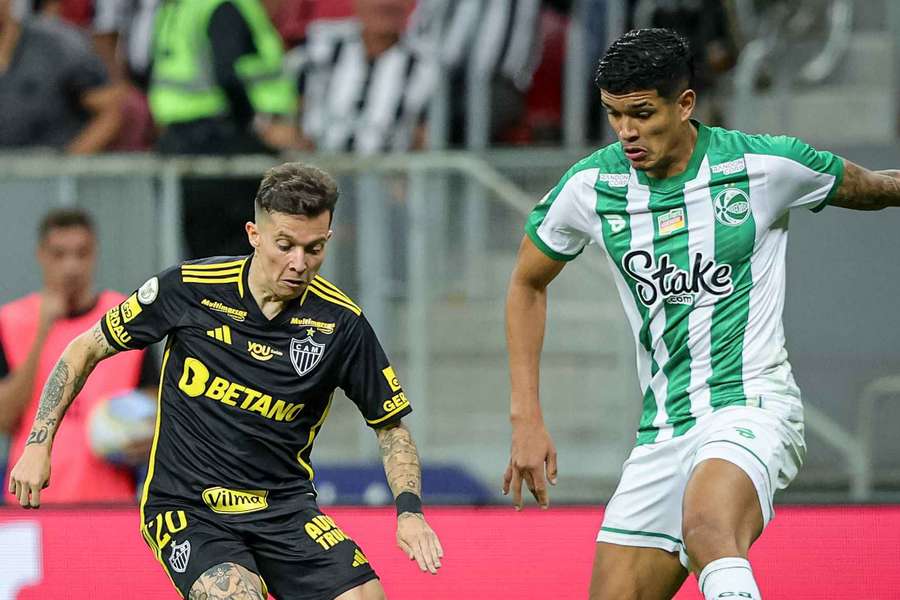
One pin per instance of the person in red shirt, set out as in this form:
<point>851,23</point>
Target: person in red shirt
<point>34,330</point>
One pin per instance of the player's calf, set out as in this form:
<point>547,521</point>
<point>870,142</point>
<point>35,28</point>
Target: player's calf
<point>227,581</point>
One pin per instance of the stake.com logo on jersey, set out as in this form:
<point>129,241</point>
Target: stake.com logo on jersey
<point>673,284</point>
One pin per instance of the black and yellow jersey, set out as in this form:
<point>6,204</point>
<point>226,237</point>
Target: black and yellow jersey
<point>242,397</point>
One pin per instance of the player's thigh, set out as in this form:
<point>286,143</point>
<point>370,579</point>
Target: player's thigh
<point>635,573</point>
<point>371,590</point>
<point>305,555</point>
<point>228,581</point>
<point>722,511</point>
<point>743,455</point>
<point>192,545</point>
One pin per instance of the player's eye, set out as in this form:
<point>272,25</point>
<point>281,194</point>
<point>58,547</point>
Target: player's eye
<point>644,114</point>
<point>283,247</point>
<point>317,249</point>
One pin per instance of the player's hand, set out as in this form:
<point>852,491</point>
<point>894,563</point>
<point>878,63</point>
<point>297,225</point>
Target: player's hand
<point>532,459</point>
<point>420,543</point>
<point>30,475</point>
<point>53,307</point>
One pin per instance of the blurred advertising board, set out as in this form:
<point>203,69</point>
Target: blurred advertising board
<point>490,553</point>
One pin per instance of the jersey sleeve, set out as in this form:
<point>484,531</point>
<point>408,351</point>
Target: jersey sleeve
<point>368,378</point>
<point>147,315</point>
<point>801,176</point>
<point>561,223</point>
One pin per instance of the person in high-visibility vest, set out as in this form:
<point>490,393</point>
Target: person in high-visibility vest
<point>217,86</point>
<point>217,83</point>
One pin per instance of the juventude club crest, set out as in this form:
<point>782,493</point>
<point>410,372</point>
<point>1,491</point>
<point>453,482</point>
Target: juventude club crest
<point>181,554</point>
<point>306,353</point>
<point>732,206</point>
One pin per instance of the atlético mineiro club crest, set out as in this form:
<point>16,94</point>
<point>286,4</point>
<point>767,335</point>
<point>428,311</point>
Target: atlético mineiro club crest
<point>181,554</point>
<point>305,354</point>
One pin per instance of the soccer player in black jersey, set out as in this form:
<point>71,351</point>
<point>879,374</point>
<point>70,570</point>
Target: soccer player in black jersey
<point>256,347</point>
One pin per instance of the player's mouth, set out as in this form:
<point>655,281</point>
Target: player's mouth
<point>635,153</point>
<point>295,284</point>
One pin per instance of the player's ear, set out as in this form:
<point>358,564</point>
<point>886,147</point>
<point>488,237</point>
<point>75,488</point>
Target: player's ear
<point>252,233</point>
<point>687,101</point>
<point>330,233</point>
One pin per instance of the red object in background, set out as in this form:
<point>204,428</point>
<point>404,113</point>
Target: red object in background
<point>77,12</point>
<point>491,554</point>
<point>332,9</point>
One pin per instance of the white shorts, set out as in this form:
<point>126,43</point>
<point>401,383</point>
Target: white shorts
<point>646,508</point>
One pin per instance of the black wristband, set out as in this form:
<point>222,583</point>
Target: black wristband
<point>408,502</point>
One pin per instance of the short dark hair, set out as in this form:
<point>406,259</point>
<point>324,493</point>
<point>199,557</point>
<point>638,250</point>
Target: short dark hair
<point>62,218</point>
<point>297,189</point>
<point>647,59</point>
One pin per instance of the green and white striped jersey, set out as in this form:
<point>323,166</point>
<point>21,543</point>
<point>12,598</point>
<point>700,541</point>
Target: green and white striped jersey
<point>699,263</point>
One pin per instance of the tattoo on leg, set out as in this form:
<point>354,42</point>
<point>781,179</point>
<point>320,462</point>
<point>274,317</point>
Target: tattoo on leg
<point>227,581</point>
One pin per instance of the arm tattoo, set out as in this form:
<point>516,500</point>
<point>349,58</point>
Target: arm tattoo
<point>862,189</point>
<point>62,387</point>
<point>401,460</point>
<point>227,581</point>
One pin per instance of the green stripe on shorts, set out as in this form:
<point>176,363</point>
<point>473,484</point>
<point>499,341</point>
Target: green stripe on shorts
<point>644,533</point>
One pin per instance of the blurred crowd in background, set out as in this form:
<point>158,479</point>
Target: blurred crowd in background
<point>251,76</point>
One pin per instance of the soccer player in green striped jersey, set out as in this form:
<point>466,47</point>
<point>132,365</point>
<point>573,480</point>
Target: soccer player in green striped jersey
<point>693,220</point>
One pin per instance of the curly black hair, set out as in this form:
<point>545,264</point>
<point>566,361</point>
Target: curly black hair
<point>647,59</point>
<point>297,189</point>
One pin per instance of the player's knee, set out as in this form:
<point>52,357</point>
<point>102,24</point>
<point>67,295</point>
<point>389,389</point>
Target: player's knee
<point>706,536</point>
<point>227,581</point>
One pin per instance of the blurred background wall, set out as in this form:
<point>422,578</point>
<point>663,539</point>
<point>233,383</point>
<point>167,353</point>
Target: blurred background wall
<point>426,233</point>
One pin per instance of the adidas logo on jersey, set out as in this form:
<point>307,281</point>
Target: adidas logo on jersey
<point>359,558</point>
<point>223,334</point>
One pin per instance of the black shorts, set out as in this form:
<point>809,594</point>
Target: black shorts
<point>300,554</point>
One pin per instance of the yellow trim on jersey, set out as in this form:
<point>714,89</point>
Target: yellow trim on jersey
<point>387,416</point>
<point>325,294</point>
<point>216,273</point>
<point>312,435</point>
<point>334,289</point>
<point>112,330</point>
<point>214,266</point>
<point>226,272</point>
<point>157,554</point>
<point>318,292</point>
<point>162,376</point>
<point>146,534</point>
<point>210,279</point>
<point>241,284</point>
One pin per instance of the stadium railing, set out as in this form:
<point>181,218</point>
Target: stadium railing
<point>425,243</point>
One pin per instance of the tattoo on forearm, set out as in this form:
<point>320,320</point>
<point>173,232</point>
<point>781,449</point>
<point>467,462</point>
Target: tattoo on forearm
<point>62,387</point>
<point>401,460</point>
<point>37,436</point>
<point>862,190</point>
<point>53,391</point>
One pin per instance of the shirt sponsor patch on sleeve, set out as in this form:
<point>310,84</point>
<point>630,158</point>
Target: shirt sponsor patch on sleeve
<point>130,308</point>
<point>391,378</point>
<point>147,293</point>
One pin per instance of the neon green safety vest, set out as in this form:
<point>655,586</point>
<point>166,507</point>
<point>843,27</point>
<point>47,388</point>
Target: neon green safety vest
<point>183,86</point>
